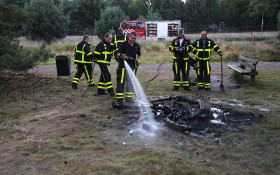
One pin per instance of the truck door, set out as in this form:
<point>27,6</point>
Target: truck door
<point>162,30</point>
<point>141,29</point>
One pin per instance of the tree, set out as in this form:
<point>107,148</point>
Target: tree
<point>263,8</point>
<point>169,9</point>
<point>235,13</point>
<point>278,21</point>
<point>201,13</point>
<point>84,13</point>
<point>19,3</point>
<point>110,19</point>
<point>12,56</point>
<point>47,21</point>
<point>137,8</point>
<point>123,4</point>
<point>153,15</point>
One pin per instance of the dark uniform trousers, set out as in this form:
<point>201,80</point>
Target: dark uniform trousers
<point>86,69</point>
<point>181,65</point>
<point>181,61</point>
<point>124,83</point>
<point>203,74</point>
<point>105,82</point>
<point>203,53</point>
<point>102,55</point>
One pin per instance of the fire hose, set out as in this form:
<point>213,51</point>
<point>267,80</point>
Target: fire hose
<point>147,83</point>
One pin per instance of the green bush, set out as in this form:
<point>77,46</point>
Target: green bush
<point>69,47</point>
<point>43,54</point>
<point>239,78</point>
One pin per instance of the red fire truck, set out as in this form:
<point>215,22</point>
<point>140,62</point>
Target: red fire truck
<point>145,29</point>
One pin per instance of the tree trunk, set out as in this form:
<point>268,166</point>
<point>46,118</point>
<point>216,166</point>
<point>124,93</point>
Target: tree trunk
<point>262,22</point>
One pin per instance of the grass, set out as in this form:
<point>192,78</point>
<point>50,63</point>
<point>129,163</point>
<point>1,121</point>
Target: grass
<point>265,48</point>
<point>48,128</point>
<point>83,140</point>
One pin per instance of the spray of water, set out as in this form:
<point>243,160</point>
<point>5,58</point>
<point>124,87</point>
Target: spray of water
<point>147,122</point>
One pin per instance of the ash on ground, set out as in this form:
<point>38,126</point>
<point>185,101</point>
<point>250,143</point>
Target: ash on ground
<point>194,117</point>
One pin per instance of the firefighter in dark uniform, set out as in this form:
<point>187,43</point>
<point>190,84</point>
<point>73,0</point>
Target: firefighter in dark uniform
<point>130,52</point>
<point>181,47</point>
<point>203,48</point>
<point>102,56</point>
<point>119,38</point>
<point>83,61</point>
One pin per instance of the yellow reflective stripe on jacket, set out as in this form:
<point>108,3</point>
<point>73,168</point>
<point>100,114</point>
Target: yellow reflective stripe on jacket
<point>203,58</point>
<point>105,53</point>
<point>118,41</point>
<point>79,61</point>
<point>82,52</point>
<point>78,51</point>
<point>102,61</point>
<point>203,50</point>
<point>171,48</point>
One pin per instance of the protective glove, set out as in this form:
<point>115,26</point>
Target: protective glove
<point>137,62</point>
<point>124,56</point>
<point>175,50</point>
<point>196,66</point>
<point>94,60</point>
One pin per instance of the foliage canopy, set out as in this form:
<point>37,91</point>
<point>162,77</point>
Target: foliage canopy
<point>47,22</point>
<point>109,20</point>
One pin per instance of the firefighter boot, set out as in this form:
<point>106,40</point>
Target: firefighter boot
<point>120,102</point>
<point>129,100</point>
<point>101,92</point>
<point>92,85</point>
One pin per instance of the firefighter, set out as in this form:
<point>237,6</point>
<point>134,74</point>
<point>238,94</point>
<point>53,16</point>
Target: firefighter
<point>83,61</point>
<point>130,52</point>
<point>102,56</point>
<point>119,38</point>
<point>202,51</point>
<point>181,47</point>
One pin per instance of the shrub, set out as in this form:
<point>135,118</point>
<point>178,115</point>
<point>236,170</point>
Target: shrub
<point>239,78</point>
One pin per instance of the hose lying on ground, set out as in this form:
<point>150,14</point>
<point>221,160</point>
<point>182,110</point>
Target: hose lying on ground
<point>147,84</point>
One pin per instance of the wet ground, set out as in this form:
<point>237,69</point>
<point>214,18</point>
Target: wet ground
<point>195,117</point>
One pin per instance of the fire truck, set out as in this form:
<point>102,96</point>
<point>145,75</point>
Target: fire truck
<point>152,29</point>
